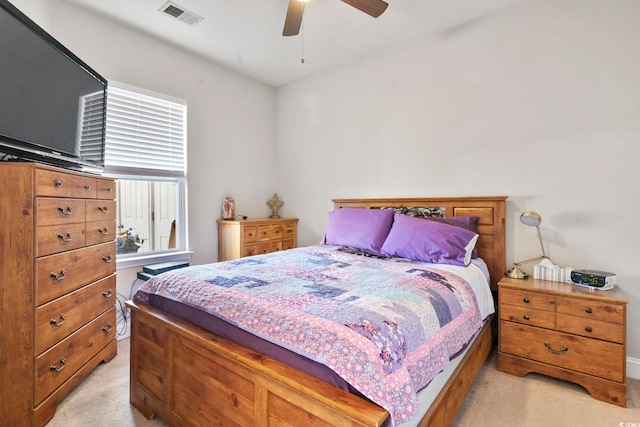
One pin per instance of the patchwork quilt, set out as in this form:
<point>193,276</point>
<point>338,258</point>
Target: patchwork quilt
<point>387,326</point>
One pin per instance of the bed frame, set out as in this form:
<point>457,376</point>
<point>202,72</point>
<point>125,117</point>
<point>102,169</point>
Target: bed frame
<point>189,376</point>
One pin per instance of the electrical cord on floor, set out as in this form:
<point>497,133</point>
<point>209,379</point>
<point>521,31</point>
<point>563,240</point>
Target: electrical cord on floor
<point>122,311</point>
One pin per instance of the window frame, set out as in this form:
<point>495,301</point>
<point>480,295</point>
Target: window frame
<point>180,252</point>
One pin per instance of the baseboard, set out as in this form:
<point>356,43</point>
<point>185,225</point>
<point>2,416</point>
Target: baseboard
<point>633,368</point>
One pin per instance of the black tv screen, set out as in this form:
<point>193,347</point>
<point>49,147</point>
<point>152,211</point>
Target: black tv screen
<point>52,104</point>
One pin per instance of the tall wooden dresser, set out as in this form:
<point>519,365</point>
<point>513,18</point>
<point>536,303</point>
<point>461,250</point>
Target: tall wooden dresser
<point>58,284</point>
<point>237,239</point>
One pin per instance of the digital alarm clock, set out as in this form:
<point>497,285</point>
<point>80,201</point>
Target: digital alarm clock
<point>601,280</point>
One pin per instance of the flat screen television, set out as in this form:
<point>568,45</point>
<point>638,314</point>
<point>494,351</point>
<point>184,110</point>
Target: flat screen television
<point>52,104</point>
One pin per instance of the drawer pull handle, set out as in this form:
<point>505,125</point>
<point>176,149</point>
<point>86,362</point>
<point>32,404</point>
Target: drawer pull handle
<point>588,329</point>
<point>64,238</point>
<point>60,276</point>
<point>57,324</point>
<point>560,352</point>
<point>108,294</point>
<point>64,211</point>
<point>107,258</point>
<point>103,209</point>
<point>526,317</point>
<point>58,369</point>
<point>526,300</point>
<point>57,183</point>
<point>107,328</point>
<point>103,231</point>
<point>87,187</point>
<point>109,189</point>
<point>589,310</point>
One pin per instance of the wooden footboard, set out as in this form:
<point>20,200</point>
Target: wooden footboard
<point>189,376</point>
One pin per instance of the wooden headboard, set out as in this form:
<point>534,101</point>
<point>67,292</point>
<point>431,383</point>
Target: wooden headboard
<point>490,209</point>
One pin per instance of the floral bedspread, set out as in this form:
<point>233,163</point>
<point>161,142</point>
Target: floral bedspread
<point>386,326</point>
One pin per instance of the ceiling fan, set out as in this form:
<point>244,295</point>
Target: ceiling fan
<point>296,8</point>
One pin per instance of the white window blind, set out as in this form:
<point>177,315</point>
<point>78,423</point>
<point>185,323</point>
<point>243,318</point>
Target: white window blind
<point>92,119</point>
<point>145,135</point>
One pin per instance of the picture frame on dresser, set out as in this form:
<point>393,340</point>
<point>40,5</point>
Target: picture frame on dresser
<point>58,278</point>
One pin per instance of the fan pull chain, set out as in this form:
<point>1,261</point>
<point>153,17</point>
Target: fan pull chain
<point>302,44</point>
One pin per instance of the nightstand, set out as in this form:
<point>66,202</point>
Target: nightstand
<point>564,331</point>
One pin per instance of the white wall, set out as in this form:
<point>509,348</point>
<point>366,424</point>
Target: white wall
<point>231,118</point>
<point>540,103</point>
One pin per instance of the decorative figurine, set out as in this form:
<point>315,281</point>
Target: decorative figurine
<point>229,208</point>
<point>275,204</point>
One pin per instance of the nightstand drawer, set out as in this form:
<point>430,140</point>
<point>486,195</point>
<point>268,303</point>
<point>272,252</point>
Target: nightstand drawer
<point>591,328</point>
<point>527,316</point>
<point>527,299</point>
<point>249,234</point>
<point>591,309</point>
<point>572,352</point>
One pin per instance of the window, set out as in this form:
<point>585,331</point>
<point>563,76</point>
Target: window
<point>146,151</point>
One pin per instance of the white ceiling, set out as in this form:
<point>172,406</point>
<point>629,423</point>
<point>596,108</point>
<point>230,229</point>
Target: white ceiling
<point>246,35</point>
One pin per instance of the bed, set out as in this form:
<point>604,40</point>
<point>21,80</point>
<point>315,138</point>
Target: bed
<point>188,375</point>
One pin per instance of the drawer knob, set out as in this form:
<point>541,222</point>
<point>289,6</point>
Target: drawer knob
<point>64,211</point>
<point>57,324</point>
<point>526,300</point>
<point>588,329</point>
<point>109,190</point>
<point>588,310</point>
<point>57,183</point>
<point>103,209</point>
<point>103,231</point>
<point>551,350</point>
<point>108,294</point>
<point>107,258</point>
<point>526,317</point>
<point>87,187</point>
<point>55,368</point>
<point>60,276</point>
<point>64,238</point>
<point>107,328</point>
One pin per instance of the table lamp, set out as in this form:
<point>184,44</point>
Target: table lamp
<point>533,219</point>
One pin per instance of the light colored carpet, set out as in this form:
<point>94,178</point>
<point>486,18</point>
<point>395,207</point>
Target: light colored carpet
<point>496,399</point>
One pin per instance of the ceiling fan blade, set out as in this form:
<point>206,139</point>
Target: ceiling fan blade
<point>294,18</point>
<point>370,7</point>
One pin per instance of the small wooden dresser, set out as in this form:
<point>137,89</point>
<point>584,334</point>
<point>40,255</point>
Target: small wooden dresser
<point>58,286</point>
<point>565,331</point>
<point>237,239</point>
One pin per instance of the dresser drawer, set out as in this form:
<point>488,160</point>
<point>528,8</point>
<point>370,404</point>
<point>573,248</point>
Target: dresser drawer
<point>52,211</point>
<point>61,184</point>
<point>288,244</point>
<point>249,250</point>
<point>590,356</point>
<point>60,317</point>
<point>275,246</point>
<point>100,232</point>
<point>591,328</point>
<point>56,365</point>
<point>249,233</point>
<point>527,316</point>
<point>276,231</point>
<point>59,274</point>
<point>591,309</point>
<point>106,188</point>
<point>527,299</point>
<point>263,233</point>
<point>101,210</point>
<point>289,230</point>
<point>59,238</point>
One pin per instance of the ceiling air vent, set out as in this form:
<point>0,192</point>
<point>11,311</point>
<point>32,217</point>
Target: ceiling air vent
<point>181,13</point>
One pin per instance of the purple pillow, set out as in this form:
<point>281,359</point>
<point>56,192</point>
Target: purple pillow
<point>429,241</point>
<point>468,222</point>
<point>358,228</point>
